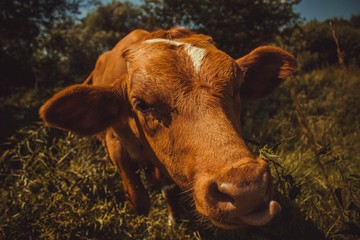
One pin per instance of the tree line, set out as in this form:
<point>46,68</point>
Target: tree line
<point>49,43</point>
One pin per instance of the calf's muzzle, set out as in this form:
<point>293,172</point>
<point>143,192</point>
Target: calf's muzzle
<point>239,195</point>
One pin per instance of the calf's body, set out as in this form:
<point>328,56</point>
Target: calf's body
<point>169,101</point>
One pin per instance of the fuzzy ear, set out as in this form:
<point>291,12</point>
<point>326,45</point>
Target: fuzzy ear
<point>263,70</point>
<point>83,109</point>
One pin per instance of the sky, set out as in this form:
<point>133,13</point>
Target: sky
<point>315,9</point>
<point>324,9</point>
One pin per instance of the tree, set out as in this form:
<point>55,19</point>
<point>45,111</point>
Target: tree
<point>237,26</point>
<point>21,25</point>
<point>72,48</point>
<point>42,40</point>
<point>315,47</point>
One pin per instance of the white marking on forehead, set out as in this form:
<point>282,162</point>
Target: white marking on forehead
<point>196,54</point>
<point>161,40</point>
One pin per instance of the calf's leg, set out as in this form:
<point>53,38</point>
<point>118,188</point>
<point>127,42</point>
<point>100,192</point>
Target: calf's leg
<point>137,195</point>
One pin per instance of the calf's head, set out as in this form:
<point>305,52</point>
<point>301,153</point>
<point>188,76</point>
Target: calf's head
<point>184,96</point>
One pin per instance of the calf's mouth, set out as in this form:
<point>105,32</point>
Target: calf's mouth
<point>259,217</point>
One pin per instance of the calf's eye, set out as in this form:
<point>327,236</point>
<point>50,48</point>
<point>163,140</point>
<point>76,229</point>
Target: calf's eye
<point>141,105</point>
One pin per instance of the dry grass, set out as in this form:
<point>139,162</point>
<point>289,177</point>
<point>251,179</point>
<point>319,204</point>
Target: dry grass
<point>55,185</point>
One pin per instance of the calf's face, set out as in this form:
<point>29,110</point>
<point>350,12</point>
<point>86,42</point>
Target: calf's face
<point>184,97</point>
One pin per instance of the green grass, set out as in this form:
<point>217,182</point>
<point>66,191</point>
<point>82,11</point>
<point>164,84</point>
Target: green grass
<point>55,185</point>
<point>330,101</point>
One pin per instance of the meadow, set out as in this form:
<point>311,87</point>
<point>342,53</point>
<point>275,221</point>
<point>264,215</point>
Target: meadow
<point>55,185</point>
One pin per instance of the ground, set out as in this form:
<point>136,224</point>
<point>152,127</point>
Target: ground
<point>55,185</point>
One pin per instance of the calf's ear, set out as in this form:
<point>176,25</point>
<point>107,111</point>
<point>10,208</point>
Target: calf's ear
<point>263,70</point>
<point>83,109</point>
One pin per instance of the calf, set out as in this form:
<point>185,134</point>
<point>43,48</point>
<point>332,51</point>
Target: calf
<point>170,101</point>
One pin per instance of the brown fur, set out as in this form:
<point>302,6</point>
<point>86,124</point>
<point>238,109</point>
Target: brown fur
<point>264,69</point>
<point>156,110</point>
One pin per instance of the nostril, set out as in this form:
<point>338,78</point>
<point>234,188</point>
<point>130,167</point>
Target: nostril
<point>219,193</point>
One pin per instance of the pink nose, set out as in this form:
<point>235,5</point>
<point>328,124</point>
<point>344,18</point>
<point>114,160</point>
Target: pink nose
<point>240,195</point>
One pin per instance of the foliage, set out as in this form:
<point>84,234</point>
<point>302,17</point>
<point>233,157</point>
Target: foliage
<point>52,47</point>
<point>330,190</point>
<point>19,109</point>
<point>237,26</point>
<point>314,44</point>
<point>21,24</point>
<point>70,49</point>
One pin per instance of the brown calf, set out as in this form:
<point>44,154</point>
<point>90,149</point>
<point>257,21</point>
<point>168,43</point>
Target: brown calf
<point>170,101</point>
